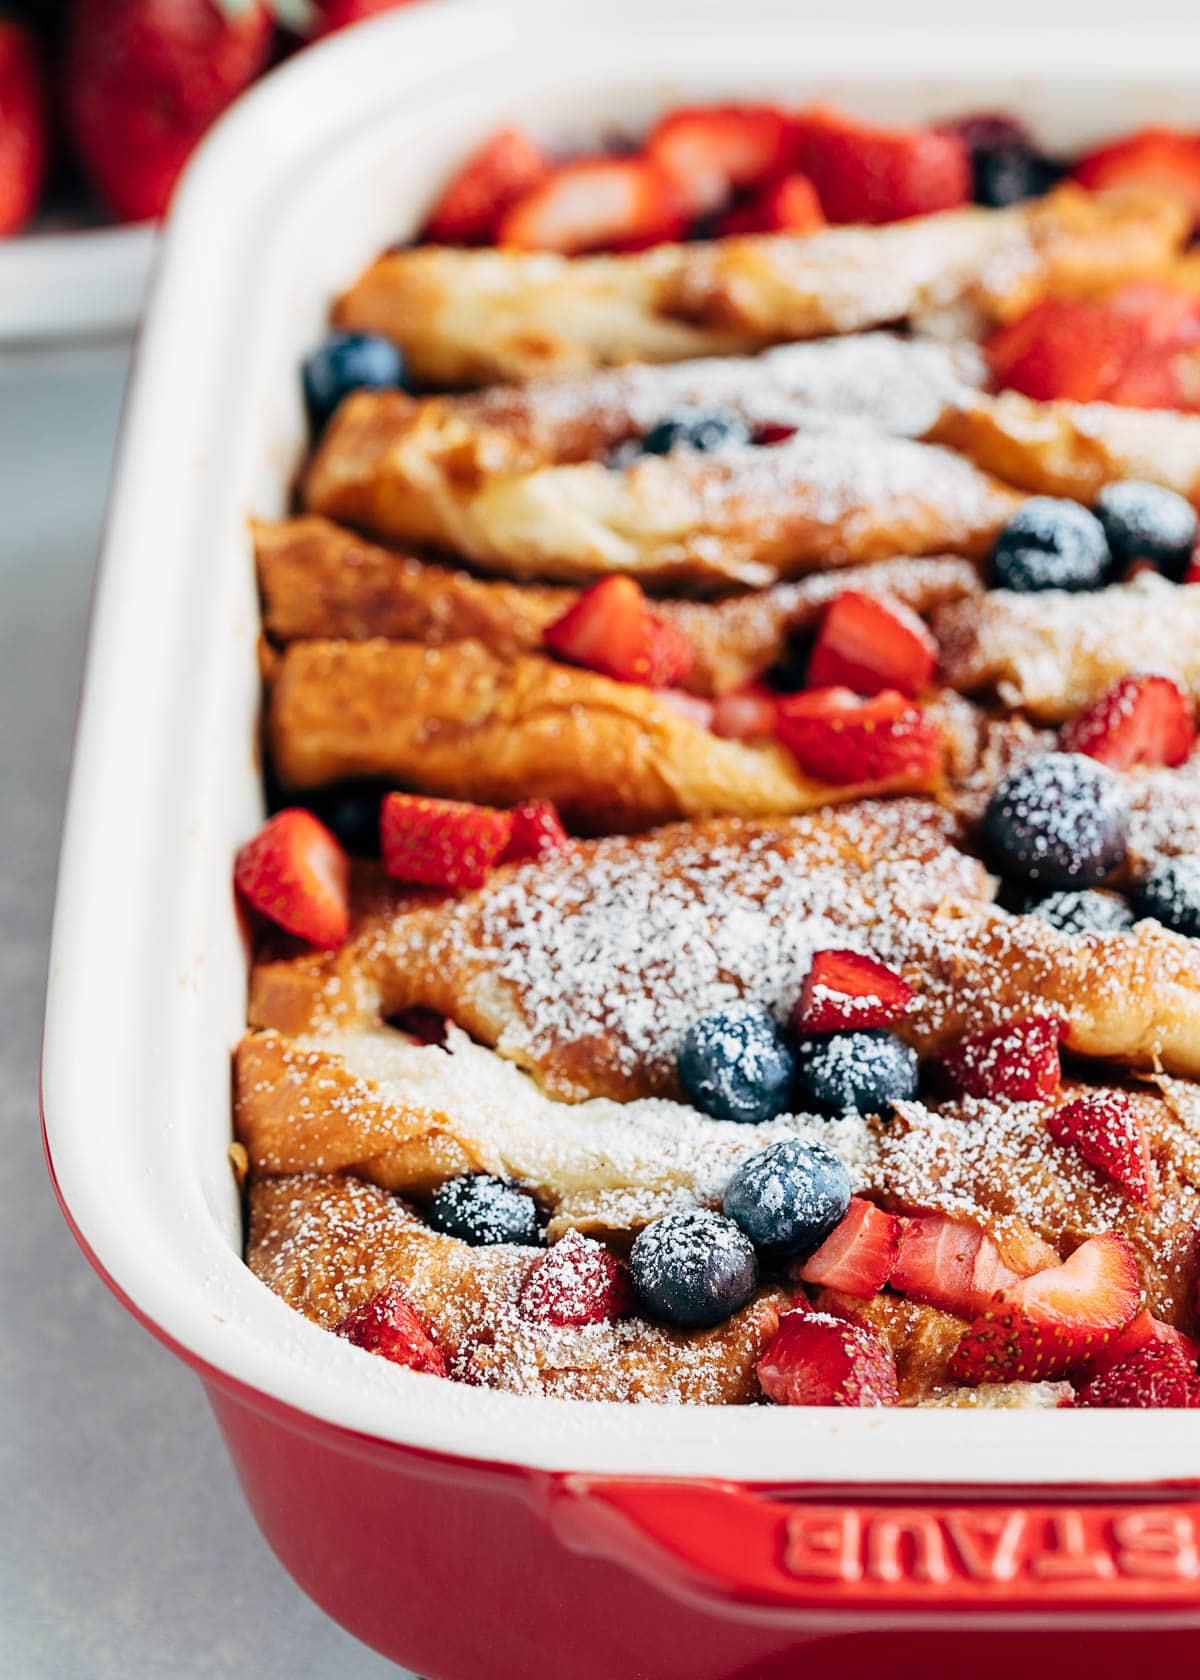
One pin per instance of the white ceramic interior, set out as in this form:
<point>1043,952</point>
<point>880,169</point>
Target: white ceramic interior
<point>325,163</point>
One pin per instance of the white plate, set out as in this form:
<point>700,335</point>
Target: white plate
<point>80,285</point>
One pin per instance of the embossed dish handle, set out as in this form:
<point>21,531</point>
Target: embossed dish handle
<point>715,1540</point>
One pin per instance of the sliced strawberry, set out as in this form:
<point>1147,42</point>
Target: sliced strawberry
<point>746,714</point>
<point>859,1255</point>
<point>1150,379</point>
<point>536,829</point>
<point>440,842</point>
<point>1138,720</point>
<point>956,1265</point>
<point>1018,1060</point>
<point>815,1359</point>
<point>1110,1134</point>
<point>611,629</point>
<point>574,1283</point>
<point>870,643</point>
<point>1156,1376</point>
<point>694,707</point>
<point>1073,349</point>
<point>841,739</point>
<point>494,177</point>
<point>866,174</point>
<point>709,152</point>
<point>1043,1327</point>
<point>296,874</point>
<point>845,991</point>
<point>1158,158</point>
<point>594,204</point>
<point>1143,1331</point>
<point>1168,316</point>
<point>385,1324</point>
<point>790,205</point>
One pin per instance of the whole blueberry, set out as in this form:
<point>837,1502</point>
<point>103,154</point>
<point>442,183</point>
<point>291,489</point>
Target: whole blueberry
<point>1058,820</point>
<point>1171,894</point>
<point>861,1071</point>
<point>789,1197</point>
<point>480,1209</point>
<point>1145,522</point>
<point>695,428</point>
<point>1006,166</point>
<point>735,1064</point>
<point>348,362</point>
<point>1084,912</point>
<point>694,1268</point>
<point>1050,544</point>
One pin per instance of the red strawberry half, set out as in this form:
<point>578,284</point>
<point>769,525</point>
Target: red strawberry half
<point>595,204</point>
<point>787,206</point>
<point>296,874</point>
<point>1040,1329</point>
<point>1155,1376</point>
<point>386,1324</point>
<point>958,1266</point>
<point>859,1255</point>
<point>840,739</point>
<point>24,129</point>
<point>1161,159</point>
<point>611,629</point>
<point>870,643</point>
<point>493,178</point>
<point>1108,1132</point>
<point>576,1282</point>
<point>1142,1331</point>
<point>709,152</point>
<point>1018,1060</point>
<point>845,990</point>
<point>440,842</point>
<point>867,174</point>
<point>1138,720</point>
<point>536,829</point>
<point>815,1359</point>
<point>1072,349</point>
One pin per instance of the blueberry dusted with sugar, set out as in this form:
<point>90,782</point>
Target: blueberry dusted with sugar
<point>1058,820</point>
<point>1006,166</point>
<point>480,1210</point>
<point>693,1269</point>
<point>789,1198</point>
<point>735,1064</point>
<point>1146,522</point>
<point>347,362</point>
<point>1050,544</point>
<point>695,428</point>
<point>1171,894</point>
<point>1084,912</point>
<point>864,1072</point>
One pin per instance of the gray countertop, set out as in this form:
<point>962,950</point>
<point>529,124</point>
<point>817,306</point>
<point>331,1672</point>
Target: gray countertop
<point>126,1552</point>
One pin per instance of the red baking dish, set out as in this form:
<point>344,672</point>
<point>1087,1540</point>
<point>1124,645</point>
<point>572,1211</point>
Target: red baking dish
<point>468,1533</point>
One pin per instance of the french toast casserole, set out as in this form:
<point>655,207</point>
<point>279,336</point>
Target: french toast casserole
<point>729,930</point>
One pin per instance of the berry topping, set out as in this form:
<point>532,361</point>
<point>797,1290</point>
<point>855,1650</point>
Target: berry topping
<point>576,1282</point>
<point>1110,1134</point>
<point>1084,912</point>
<point>709,152</point>
<point>1170,894</point>
<point>1005,165</point>
<point>494,177</point>
<point>1039,1329</point>
<point>790,205</point>
<point>611,629</point>
<point>815,1359</point>
<point>858,1257</point>
<point>869,644</point>
<point>789,1197</point>
<point>536,829</point>
<point>867,174</point>
<point>735,1064</point>
<point>746,714</point>
<point>348,362</point>
<point>482,1210</point>
<point>1050,544</point>
<point>1147,522</point>
<point>692,1269</point>
<point>1139,721</point>
<point>1158,158</point>
<point>1017,1060</point>
<point>385,1324</point>
<point>1068,349</point>
<point>441,842</point>
<point>1060,820</point>
<point>596,203</point>
<point>1142,1331</point>
<point>958,1266</point>
<point>695,428</point>
<point>1155,1376</point>
<point>845,990</point>
<point>864,1072</point>
<point>295,873</point>
<point>840,739</point>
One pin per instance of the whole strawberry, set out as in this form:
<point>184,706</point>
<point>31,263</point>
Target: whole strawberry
<point>146,78</point>
<point>24,144</point>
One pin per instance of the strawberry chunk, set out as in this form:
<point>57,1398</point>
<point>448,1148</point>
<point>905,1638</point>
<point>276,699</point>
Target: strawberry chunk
<point>497,174</point>
<point>790,205</point>
<point>870,643</point>
<point>1018,1060</point>
<point>595,204</point>
<point>296,874</point>
<point>441,842</point>
<point>956,1265</point>
<point>815,1359</point>
<point>858,1256</point>
<point>841,739</point>
<point>611,629</point>
<point>1159,158</point>
<point>1041,1328</point>
<point>745,714</point>
<point>867,174</point>
<point>1168,316</point>
<point>385,1324</point>
<point>1110,1134</point>
<point>1073,349</point>
<point>709,152</point>
<point>574,1283</point>
<point>1156,1377</point>
<point>1143,1331</point>
<point>1138,720</point>
<point>536,830</point>
<point>845,991</point>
